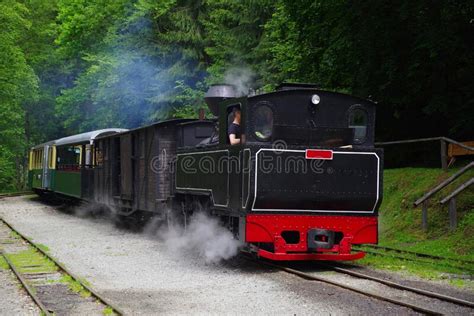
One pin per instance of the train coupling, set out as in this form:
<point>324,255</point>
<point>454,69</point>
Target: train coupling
<point>320,239</point>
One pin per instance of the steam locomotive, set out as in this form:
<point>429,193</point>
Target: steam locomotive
<point>305,182</point>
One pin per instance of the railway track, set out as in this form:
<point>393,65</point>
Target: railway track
<point>12,194</point>
<point>379,296</point>
<point>418,254</point>
<point>465,265</point>
<point>44,278</point>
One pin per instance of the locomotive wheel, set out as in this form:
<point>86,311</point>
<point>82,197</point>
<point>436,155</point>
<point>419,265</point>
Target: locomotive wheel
<point>182,210</point>
<point>203,205</point>
<point>134,222</point>
<point>123,222</point>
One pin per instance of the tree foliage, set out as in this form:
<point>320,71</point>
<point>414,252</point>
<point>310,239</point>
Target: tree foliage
<point>68,66</point>
<point>414,58</point>
<point>18,85</point>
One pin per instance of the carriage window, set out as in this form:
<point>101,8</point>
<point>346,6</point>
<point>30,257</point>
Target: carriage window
<point>69,157</point>
<point>34,159</point>
<point>37,159</point>
<point>358,121</point>
<point>51,153</point>
<point>263,122</point>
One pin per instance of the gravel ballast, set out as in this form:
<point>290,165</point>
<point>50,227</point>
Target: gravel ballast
<point>140,275</point>
<point>13,298</point>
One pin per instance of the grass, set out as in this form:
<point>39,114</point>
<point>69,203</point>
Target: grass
<point>75,286</point>
<point>108,311</point>
<point>429,271</point>
<point>85,282</point>
<point>400,222</point>
<point>43,247</point>
<point>32,261</point>
<point>3,264</point>
<point>31,257</point>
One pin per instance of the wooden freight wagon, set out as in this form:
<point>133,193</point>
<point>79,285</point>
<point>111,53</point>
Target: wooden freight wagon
<point>134,169</point>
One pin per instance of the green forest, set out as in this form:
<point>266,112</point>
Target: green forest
<point>69,66</point>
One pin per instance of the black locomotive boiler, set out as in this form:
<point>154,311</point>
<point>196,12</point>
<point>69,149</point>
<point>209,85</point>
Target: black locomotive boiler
<point>305,182</point>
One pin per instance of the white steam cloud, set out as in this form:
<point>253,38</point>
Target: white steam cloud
<point>241,78</point>
<point>203,236</point>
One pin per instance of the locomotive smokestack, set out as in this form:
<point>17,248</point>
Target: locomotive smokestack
<point>218,93</point>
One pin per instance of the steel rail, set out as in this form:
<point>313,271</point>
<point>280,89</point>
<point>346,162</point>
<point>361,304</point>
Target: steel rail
<point>354,289</point>
<point>420,260</point>
<point>350,288</point>
<point>442,297</point>
<point>65,270</point>
<point>28,289</point>
<point>419,254</point>
<point>12,194</point>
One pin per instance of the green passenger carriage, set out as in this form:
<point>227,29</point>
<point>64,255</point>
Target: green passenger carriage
<point>61,165</point>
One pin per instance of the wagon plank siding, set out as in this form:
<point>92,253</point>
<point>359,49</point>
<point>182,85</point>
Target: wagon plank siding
<point>126,180</point>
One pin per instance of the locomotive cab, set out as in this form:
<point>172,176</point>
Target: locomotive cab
<point>303,115</point>
<point>305,181</point>
<point>298,114</point>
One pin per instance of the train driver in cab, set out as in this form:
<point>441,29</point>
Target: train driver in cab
<point>234,131</point>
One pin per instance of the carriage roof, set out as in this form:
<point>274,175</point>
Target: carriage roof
<point>88,137</point>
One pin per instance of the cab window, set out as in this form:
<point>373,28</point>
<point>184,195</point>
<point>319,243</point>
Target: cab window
<point>263,122</point>
<point>358,121</point>
<point>234,114</point>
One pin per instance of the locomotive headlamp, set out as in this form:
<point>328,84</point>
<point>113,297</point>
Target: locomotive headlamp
<point>315,99</point>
